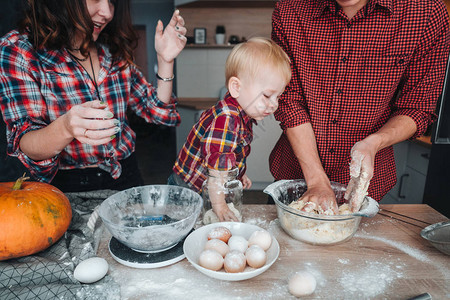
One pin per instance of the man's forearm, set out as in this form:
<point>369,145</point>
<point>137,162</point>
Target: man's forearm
<point>396,130</point>
<point>303,142</point>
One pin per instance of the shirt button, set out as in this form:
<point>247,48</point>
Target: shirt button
<point>334,121</point>
<point>99,174</point>
<point>331,150</point>
<point>344,59</point>
<point>349,25</point>
<point>339,91</point>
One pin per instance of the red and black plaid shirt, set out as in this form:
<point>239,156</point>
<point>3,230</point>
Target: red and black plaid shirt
<point>220,140</point>
<point>350,76</point>
<point>39,86</point>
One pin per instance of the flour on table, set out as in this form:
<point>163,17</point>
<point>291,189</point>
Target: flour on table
<point>370,280</point>
<point>211,217</point>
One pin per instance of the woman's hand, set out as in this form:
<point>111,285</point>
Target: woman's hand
<point>91,123</point>
<point>170,41</point>
<point>246,182</point>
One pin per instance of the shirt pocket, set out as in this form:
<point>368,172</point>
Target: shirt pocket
<point>380,74</point>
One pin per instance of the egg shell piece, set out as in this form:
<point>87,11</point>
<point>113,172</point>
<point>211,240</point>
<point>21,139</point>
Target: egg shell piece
<point>239,243</point>
<point>221,233</point>
<point>261,238</point>
<point>256,256</point>
<point>217,245</point>
<point>211,259</point>
<point>91,270</point>
<point>302,283</point>
<point>234,262</point>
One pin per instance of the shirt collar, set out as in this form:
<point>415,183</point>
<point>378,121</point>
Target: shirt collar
<point>320,6</point>
<point>234,102</point>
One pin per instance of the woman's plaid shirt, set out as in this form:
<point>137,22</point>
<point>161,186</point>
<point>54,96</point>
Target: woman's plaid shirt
<point>39,86</point>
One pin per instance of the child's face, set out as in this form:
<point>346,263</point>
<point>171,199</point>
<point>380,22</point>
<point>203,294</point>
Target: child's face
<point>259,96</point>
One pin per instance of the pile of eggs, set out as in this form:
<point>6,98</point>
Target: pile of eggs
<point>234,252</point>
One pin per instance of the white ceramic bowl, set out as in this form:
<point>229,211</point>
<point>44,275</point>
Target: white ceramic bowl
<point>195,243</point>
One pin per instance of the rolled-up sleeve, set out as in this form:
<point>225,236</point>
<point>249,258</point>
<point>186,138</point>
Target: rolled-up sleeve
<point>22,107</point>
<point>145,103</point>
<point>425,73</point>
<point>291,111</point>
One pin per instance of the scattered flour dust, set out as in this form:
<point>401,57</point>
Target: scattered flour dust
<point>369,280</point>
<point>258,222</point>
<point>181,282</point>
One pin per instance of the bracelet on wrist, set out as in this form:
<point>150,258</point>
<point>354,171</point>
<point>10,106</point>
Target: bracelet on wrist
<point>165,79</point>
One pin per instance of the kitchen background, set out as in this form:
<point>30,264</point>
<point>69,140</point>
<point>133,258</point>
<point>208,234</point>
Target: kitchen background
<point>423,168</point>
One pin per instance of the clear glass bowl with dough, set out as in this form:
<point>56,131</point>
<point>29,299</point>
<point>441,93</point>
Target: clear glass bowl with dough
<point>313,228</point>
<point>151,218</point>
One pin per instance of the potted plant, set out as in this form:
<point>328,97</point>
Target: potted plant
<point>220,34</point>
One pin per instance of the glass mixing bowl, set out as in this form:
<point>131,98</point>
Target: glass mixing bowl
<point>151,218</point>
<point>316,229</point>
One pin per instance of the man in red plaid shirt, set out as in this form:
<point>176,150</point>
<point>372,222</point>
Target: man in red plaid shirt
<point>366,74</point>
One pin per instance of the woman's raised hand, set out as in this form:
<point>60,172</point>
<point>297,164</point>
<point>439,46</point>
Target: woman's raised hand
<point>170,41</point>
<point>91,123</point>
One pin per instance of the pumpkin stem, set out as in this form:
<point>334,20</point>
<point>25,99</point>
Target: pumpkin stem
<point>18,184</point>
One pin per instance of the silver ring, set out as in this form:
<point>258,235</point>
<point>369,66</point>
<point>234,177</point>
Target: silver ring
<point>85,133</point>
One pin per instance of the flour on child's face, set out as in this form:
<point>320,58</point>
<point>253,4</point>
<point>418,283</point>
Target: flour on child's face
<point>259,95</point>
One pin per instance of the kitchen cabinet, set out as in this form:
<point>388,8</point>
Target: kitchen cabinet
<point>201,71</point>
<point>411,159</point>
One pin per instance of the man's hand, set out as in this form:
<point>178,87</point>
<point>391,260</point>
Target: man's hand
<point>361,171</point>
<point>320,195</point>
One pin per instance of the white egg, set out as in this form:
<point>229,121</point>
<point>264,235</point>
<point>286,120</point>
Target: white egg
<point>211,259</point>
<point>234,262</point>
<point>302,283</point>
<point>91,270</point>
<point>218,245</point>
<point>256,256</point>
<point>237,242</point>
<point>261,238</point>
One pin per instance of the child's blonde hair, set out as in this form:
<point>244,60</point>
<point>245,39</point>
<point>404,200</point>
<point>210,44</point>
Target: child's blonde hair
<point>248,59</point>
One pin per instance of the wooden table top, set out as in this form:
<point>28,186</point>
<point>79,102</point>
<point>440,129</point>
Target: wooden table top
<point>386,259</point>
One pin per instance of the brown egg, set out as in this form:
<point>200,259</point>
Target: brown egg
<point>218,245</point>
<point>211,259</point>
<point>234,262</point>
<point>221,233</point>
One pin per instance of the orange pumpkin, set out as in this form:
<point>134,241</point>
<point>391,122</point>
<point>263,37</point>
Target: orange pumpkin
<point>33,216</point>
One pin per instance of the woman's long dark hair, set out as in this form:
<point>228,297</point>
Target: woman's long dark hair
<point>54,24</point>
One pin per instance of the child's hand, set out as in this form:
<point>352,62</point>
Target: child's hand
<point>223,212</point>
<point>246,182</point>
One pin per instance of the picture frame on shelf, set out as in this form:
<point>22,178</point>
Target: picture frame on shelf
<point>200,35</point>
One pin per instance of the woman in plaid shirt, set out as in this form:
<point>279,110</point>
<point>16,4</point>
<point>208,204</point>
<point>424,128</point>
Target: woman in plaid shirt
<point>66,80</point>
<point>366,74</point>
